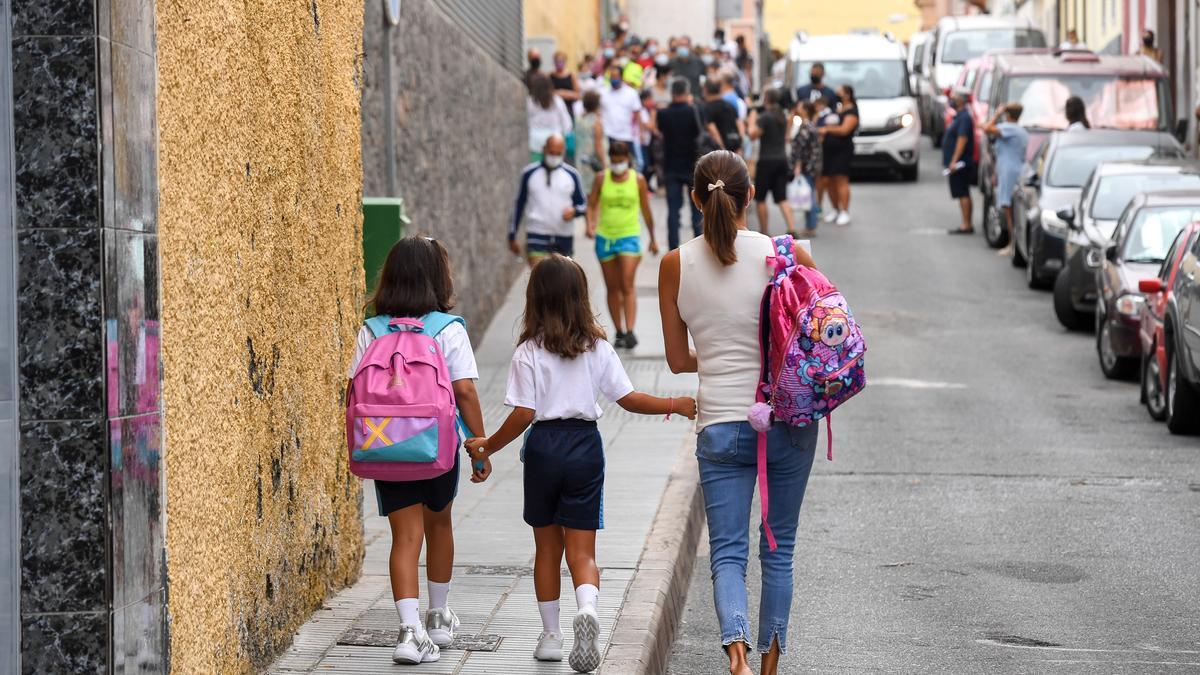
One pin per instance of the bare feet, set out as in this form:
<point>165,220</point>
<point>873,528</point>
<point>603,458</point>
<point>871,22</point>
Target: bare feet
<point>1005,252</point>
<point>737,659</point>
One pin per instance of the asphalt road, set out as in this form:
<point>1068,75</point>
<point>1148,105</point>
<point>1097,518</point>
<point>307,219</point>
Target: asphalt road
<point>994,504</point>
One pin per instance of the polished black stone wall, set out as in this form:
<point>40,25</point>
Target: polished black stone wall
<point>85,159</point>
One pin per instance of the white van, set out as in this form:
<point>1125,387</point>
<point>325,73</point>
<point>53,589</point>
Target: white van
<point>889,130</point>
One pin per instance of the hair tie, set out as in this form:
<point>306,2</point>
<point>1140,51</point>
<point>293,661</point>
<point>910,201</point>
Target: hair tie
<point>714,186</point>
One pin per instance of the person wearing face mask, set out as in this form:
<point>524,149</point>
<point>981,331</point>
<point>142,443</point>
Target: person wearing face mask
<point>816,88</point>
<point>549,199</point>
<point>686,65</point>
<point>631,71</point>
<point>619,108</point>
<point>612,220</point>
<point>661,90</point>
<point>566,84</point>
<point>649,52</point>
<point>535,64</point>
<point>1148,48</point>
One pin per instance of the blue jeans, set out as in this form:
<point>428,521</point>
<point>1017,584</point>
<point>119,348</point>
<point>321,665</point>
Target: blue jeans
<point>728,458</point>
<point>678,191</point>
<point>810,217</point>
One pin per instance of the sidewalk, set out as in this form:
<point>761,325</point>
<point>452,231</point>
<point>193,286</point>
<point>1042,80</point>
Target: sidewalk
<point>492,589</point>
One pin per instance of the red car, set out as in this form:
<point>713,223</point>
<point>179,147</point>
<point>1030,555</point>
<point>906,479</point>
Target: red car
<point>1150,332</point>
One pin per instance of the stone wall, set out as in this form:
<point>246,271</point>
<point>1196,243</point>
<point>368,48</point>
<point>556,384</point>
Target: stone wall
<point>260,231</point>
<point>460,144</point>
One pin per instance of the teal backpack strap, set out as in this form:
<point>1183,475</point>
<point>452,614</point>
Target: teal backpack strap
<point>379,325</point>
<point>436,322</point>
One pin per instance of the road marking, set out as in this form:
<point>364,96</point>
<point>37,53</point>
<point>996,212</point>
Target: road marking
<point>928,231</point>
<point>1149,650</point>
<point>906,383</point>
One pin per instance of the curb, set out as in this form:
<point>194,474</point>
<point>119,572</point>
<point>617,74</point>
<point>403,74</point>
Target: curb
<point>649,619</point>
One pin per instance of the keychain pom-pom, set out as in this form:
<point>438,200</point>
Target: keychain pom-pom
<point>760,417</point>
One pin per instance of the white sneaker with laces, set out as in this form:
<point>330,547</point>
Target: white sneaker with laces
<point>443,625</point>
<point>585,650</point>
<point>830,215</point>
<point>843,219</point>
<point>549,647</point>
<point>414,646</point>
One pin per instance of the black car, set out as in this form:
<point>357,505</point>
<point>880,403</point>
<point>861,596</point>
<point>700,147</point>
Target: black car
<point>1053,180</point>
<point>1090,227</point>
<point>1144,234</point>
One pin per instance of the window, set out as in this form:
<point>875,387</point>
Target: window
<point>870,79</point>
<point>963,45</point>
<point>1112,102</point>
<point>1072,164</point>
<point>1154,229</point>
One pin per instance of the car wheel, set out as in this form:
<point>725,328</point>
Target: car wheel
<point>994,229</point>
<point>1152,389</point>
<point>1063,309</point>
<point>1113,366</point>
<point>1018,259</point>
<point>1183,406</point>
<point>1033,278</point>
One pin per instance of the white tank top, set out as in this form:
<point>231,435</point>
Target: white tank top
<point>720,306</point>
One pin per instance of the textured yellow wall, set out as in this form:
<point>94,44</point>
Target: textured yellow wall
<point>574,25</point>
<point>782,18</point>
<point>260,176</point>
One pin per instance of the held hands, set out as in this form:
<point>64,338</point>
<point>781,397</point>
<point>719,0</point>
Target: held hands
<point>569,213</point>
<point>477,447</point>
<point>481,466</point>
<point>684,405</point>
<point>480,470</point>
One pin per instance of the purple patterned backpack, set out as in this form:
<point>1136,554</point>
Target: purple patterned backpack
<point>812,354</point>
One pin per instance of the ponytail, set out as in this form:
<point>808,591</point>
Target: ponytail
<point>722,184</point>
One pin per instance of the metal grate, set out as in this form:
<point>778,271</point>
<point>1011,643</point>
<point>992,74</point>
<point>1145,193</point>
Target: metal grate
<point>496,26</point>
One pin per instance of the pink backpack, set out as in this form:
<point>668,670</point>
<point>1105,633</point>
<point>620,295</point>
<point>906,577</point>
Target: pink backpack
<point>400,412</point>
<point>812,355</point>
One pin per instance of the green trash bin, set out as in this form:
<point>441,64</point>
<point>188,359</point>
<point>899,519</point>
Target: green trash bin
<point>383,226</point>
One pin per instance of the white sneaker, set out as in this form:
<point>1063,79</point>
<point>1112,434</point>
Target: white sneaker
<point>414,646</point>
<point>843,219</point>
<point>585,650</point>
<point>442,625</point>
<point>830,215</point>
<point>549,647</point>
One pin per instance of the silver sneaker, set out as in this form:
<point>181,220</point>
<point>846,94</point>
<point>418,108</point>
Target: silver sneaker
<point>414,646</point>
<point>442,625</point>
<point>585,651</point>
<point>549,647</point>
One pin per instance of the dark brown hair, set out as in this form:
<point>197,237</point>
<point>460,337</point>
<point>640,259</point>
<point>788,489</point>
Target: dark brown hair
<point>558,316</point>
<point>591,100</point>
<point>723,205</point>
<point>415,280</point>
<point>541,90</point>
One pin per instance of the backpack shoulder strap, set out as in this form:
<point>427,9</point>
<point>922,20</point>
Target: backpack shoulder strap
<point>785,255</point>
<point>436,322</point>
<point>379,325</point>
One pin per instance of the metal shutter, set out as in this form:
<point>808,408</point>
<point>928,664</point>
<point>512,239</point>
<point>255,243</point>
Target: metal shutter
<point>496,26</point>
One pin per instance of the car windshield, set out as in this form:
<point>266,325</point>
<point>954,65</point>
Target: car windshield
<point>870,79</point>
<point>1154,229</point>
<point>964,45</point>
<point>1111,102</point>
<point>1112,193</point>
<point>1072,164</point>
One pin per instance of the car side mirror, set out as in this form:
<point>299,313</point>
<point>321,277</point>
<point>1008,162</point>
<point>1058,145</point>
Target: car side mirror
<point>1181,129</point>
<point>1033,181</point>
<point>1150,286</point>
<point>1067,215</point>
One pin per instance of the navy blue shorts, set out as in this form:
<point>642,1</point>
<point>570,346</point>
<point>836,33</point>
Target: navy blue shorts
<point>960,183</point>
<point>537,245</point>
<point>434,493</point>
<point>564,475</point>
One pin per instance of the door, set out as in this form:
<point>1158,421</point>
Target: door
<point>1189,306</point>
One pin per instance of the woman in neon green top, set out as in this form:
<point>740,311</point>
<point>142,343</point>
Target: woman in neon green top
<point>612,220</point>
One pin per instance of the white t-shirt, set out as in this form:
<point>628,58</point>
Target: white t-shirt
<point>617,107</point>
<point>453,341</point>
<point>556,388</point>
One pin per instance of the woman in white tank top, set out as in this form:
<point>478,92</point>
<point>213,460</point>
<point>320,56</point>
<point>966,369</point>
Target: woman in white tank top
<point>711,288</point>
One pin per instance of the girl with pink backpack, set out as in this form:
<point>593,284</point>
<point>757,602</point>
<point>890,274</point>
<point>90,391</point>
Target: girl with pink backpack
<point>412,375</point>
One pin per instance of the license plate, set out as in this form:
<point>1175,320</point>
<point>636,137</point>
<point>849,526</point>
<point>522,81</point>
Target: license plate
<point>864,149</point>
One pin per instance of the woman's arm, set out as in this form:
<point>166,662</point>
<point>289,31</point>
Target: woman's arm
<point>598,141</point>
<point>681,358</point>
<point>845,126</point>
<point>593,205</point>
<point>647,214</point>
<point>755,129</point>
<point>716,134</point>
<point>645,404</point>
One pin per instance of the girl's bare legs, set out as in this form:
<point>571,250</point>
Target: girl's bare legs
<point>616,291</point>
<point>408,532</point>
<point>629,265</point>
<point>788,220</point>
<point>547,562</point>
<point>737,659</point>
<point>439,537</point>
<point>581,556</point>
<point>761,207</point>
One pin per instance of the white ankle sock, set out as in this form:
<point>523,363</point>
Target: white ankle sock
<point>439,593</point>
<point>549,612</point>
<point>586,595</point>
<point>407,607</point>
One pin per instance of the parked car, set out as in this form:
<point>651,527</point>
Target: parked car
<point>1156,365</point>
<point>1090,227</point>
<point>889,132</point>
<point>918,43</point>
<point>1053,180</point>
<point>1145,231</point>
<point>1120,92</point>
<point>958,39</point>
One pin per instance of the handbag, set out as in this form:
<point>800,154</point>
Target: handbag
<point>704,142</point>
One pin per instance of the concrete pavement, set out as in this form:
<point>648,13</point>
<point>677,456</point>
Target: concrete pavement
<point>994,504</point>
<point>492,591</point>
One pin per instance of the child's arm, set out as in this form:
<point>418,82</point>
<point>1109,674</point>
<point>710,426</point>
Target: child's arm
<point>517,422</point>
<point>467,399</point>
<point>645,404</point>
